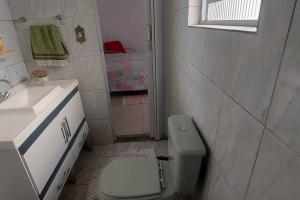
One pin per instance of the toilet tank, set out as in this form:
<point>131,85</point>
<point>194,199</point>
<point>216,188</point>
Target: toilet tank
<point>186,150</point>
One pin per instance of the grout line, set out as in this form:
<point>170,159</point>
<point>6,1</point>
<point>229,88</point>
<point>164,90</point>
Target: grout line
<point>281,140</point>
<point>233,99</point>
<point>6,68</point>
<point>253,166</point>
<point>14,63</point>
<point>218,126</point>
<point>272,97</point>
<point>222,90</point>
<point>224,178</point>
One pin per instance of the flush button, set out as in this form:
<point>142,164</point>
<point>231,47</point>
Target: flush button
<point>182,128</point>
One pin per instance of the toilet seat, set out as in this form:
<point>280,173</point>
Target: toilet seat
<point>134,178</point>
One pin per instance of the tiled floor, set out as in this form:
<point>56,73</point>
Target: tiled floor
<point>88,162</point>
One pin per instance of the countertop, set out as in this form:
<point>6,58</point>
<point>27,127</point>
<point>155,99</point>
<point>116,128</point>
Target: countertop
<point>15,129</point>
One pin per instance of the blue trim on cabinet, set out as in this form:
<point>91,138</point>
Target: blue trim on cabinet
<point>61,161</point>
<point>39,130</point>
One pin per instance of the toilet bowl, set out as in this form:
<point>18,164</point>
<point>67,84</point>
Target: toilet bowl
<point>151,179</point>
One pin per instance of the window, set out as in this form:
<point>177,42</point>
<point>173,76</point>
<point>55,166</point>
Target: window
<point>239,15</point>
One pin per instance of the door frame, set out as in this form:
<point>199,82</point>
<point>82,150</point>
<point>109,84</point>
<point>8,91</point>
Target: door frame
<point>161,41</point>
<point>158,72</point>
<point>156,94</point>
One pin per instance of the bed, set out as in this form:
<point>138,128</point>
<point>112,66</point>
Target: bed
<point>126,73</point>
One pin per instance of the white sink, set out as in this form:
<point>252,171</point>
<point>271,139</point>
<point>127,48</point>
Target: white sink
<point>30,100</point>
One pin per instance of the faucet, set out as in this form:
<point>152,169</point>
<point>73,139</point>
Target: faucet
<point>6,94</point>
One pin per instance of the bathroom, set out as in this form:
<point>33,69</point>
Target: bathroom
<point>233,86</point>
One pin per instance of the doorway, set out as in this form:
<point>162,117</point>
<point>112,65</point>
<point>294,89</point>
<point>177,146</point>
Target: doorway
<point>127,43</point>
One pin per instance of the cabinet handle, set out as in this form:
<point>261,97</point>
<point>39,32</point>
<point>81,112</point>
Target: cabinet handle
<point>68,127</point>
<point>59,187</point>
<point>82,140</point>
<point>65,176</point>
<point>66,173</point>
<point>80,144</point>
<point>68,170</point>
<point>66,131</point>
<point>63,132</point>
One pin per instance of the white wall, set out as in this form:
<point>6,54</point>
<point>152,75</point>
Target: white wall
<point>124,20</point>
<point>13,67</point>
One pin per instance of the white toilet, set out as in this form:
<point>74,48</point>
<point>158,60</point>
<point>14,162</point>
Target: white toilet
<point>150,178</point>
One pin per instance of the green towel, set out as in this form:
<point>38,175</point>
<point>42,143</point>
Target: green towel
<point>47,44</point>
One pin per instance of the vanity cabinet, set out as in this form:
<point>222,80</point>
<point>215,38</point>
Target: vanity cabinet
<point>49,153</point>
<point>44,154</point>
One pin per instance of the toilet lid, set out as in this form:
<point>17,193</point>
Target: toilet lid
<point>131,178</point>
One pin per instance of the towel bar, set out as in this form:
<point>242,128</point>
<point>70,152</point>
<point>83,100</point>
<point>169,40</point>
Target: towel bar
<point>23,20</point>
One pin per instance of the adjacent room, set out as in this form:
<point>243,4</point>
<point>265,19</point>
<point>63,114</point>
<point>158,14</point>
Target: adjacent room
<point>149,100</point>
<point>126,36</point>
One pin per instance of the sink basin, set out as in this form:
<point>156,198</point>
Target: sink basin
<point>30,100</point>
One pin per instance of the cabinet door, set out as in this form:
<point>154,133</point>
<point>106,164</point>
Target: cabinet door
<point>80,140</point>
<point>44,154</point>
<point>60,178</point>
<point>73,113</point>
